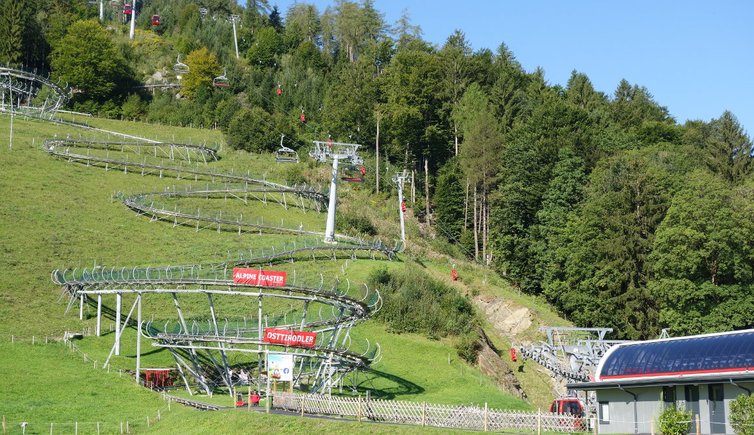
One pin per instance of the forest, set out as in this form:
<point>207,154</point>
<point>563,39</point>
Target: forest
<point>602,204</point>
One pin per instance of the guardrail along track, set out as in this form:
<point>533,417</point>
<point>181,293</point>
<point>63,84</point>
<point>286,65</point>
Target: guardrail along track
<point>205,354</point>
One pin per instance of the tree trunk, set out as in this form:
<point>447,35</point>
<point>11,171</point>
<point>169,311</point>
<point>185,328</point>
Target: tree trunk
<point>484,226</point>
<point>413,187</point>
<point>377,154</point>
<point>466,207</point>
<point>476,228</point>
<point>455,136</point>
<point>426,188</point>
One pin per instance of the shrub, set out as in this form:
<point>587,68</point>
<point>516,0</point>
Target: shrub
<point>414,302</point>
<point>742,415</point>
<point>468,346</point>
<point>359,224</point>
<point>674,421</point>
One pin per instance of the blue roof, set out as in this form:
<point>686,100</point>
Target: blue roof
<point>712,354</point>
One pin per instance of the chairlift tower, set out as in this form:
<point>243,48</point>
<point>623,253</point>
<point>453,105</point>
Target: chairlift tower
<point>400,179</point>
<point>234,19</point>
<point>323,151</point>
<point>133,21</point>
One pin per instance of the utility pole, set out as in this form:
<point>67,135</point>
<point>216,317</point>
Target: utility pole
<point>234,19</point>
<point>400,179</point>
<point>133,21</point>
<point>10,144</point>
<point>330,227</point>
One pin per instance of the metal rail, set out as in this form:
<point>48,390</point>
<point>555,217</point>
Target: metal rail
<point>196,350</point>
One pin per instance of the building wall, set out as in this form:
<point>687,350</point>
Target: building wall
<point>629,416</point>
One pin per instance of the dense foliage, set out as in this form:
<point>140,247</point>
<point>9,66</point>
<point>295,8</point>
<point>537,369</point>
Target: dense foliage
<point>603,204</point>
<point>742,414</point>
<point>674,421</point>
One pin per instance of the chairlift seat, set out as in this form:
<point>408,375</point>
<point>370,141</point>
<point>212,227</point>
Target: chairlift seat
<point>286,155</point>
<point>155,20</point>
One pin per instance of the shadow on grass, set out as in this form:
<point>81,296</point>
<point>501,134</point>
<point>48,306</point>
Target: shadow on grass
<point>399,387</point>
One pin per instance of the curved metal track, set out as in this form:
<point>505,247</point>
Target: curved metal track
<point>327,311</point>
<point>21,87</point>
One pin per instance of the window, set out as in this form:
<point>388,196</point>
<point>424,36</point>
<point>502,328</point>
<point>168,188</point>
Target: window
<point>604,412</point>
<point>668,396</point>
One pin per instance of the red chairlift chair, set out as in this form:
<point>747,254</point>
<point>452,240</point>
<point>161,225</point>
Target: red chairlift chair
<point>353,173</point>
<point>127,9</point>
<point>221,81</point>
<point>155,20</point>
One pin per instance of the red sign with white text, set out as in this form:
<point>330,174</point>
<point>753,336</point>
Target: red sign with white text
<point>264,278</point>
<point>290,338</point>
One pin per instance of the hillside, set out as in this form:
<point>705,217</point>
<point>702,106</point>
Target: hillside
<point>60,214</point>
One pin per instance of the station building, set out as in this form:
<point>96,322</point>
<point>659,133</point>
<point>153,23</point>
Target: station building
<point>635,381</point>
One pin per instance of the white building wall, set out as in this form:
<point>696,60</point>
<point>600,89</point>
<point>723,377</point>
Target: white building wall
<point>627,417</point>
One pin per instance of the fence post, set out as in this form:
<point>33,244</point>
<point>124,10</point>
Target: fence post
<point>424,414</point>
<point>652,426</point>
<point>358,410</point>
<point>485,416</point>
<point>97,428</point>
<point>158,415</point>
<point>539,421</point>
<point>698,425</point>
<point>303,399</point>
<point>76,427</point>
<point>5,426</point>
<point>51,428</point>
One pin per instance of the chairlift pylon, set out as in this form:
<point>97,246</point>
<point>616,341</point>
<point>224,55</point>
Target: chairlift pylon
<point>285,154</point>
<point>221,81</point>
<point>180,68</point>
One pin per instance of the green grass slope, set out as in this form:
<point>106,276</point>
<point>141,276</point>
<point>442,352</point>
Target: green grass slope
<point>57,214</point>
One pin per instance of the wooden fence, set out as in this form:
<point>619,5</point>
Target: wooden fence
<point>425,414</point>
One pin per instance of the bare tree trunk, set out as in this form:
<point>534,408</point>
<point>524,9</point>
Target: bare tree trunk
<point>476,228</point>
<point>484,226</point>
<point>377,154</point>
<point>455,136</point>
<point>426,187</point>
<point>466,206</point>
<point>413,186</point>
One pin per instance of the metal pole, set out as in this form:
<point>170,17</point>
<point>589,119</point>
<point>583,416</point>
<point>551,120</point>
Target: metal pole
<point>133,24</point>
<point>138,337</point>
<point>10,144</point>
<point>400,209</point>
<point>99,314</point>
<point>118,302</point>
<point>81,307</point>
<point>102,10</point>
<point>233,19</point>
<point>330,228</point>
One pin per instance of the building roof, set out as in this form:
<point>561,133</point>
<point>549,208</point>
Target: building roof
<point>725,356</point>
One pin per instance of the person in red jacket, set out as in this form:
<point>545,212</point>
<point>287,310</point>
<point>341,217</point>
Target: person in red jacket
<point>254,398</point>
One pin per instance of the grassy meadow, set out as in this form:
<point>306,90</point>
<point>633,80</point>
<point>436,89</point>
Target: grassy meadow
<point>58,215</point>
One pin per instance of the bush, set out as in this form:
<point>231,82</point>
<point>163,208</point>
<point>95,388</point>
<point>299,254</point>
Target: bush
<point>742,415</point>
<point>468,347</point>
<point>359,224</point>
<point>675,421</point>
<point>414,302</point>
